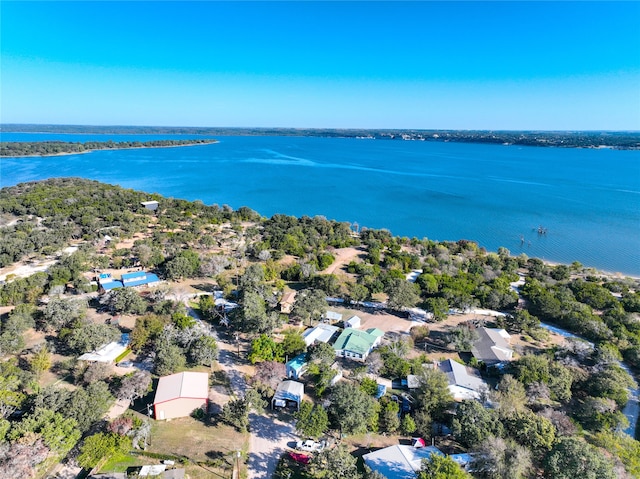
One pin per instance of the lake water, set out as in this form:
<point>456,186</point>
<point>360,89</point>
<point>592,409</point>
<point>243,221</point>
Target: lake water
<point>588,200</point>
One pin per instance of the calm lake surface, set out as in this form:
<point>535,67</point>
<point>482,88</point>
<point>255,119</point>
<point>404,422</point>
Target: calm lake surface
<point>588,200</point>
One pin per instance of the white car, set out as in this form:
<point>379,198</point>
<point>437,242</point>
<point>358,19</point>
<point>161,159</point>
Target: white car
<point>310,446</point>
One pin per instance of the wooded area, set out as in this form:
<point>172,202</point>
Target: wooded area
<point>549,407</point>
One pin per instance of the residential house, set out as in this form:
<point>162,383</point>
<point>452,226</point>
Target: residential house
<point>356,344</point>
<point>109,352</point>
<point>138,278</point>
<point>287,302</point>
<point>400,461</point>
<point>492,347</point>
<point>322,333</point>
<point>462,383</point>
<point>178,395</point>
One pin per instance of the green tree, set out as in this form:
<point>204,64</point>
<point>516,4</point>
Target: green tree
<point>126,301</point>
<point>511,395</point>
<point>293,342</point>
<point>40,361</point>
<point>473,423</point>
<point>204,350</point>
<point>389,421</point>
<point>87,405</point>
<point>439,307</point>
<point>60,434</point>
<point>60,313</point>
<point>531,430</point>
<point>441,467</point>
<point>571,457</point>
<point>402,294</point>
<point>408,425</point>
<point>351,409</point>
<point>321,354</point>
<point>265,349</point>
<point>170,358</point>
<point>433,393</point>
<point>88,336</point>
<point>334,463</point>
<point>311,420</point>
<point>310,304</point>
<point>497,458</point>
<point>100,446</point>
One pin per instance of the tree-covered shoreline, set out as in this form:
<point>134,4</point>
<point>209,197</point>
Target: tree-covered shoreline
<point>553,403</point>
<point>623,140</point>
<point>55,148</point>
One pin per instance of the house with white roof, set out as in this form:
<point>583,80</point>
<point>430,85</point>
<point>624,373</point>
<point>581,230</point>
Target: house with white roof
<point>178,395</point>
<point>462,383</point>
<point>492,346</point>
<point>322,333</point>
<point>332,317</point>
<point>400,461</point>
<point>109,352</point>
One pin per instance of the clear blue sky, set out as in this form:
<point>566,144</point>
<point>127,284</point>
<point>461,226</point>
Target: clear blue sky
<point>445,65</point>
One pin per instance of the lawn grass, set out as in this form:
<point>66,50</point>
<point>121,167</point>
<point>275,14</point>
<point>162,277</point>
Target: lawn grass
<point>120,463</point>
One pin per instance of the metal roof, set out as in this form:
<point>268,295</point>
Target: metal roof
<point>400,461</point>
<point>188,384</point>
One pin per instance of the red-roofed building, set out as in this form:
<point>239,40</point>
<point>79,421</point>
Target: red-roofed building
<point>179,394</point>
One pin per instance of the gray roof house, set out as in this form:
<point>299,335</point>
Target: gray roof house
<point>492,347</point>
<point>462,383</point>
<point>399,462</point>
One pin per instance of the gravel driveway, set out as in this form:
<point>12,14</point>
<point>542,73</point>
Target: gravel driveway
<point>270,438</point>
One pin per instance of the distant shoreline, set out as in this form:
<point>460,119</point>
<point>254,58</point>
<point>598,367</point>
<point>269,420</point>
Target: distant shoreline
<point>91,150</point>
<point>620,140</point>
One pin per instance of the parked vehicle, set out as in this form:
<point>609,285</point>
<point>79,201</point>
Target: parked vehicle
<point>300,458</point>
<point>310,446</point>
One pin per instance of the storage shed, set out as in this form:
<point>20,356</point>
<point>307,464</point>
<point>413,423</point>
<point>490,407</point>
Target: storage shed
<point>353,322</point>
<point>179,394</point>
<point>288,391</point>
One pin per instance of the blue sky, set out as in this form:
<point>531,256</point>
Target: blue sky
<point>434,65</point>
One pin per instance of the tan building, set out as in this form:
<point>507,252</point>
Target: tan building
<point>179,394</point>
<point>287,302</point>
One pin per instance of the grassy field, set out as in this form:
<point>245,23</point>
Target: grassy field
<point>206,449</point>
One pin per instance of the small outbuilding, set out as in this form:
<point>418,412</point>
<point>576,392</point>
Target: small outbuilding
<point>297,366</point>
<point>332,317</point>
<point>353,322</point>
<point>288,391</point>
<point>178,395</point>
<point>150,205</point>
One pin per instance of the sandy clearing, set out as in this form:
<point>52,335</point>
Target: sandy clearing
<point>343,257</point>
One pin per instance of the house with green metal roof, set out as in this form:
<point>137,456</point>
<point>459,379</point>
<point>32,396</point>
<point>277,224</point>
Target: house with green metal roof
<point>356,344</point>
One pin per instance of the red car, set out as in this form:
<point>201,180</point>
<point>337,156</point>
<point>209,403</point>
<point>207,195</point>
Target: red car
<point>300,458</point>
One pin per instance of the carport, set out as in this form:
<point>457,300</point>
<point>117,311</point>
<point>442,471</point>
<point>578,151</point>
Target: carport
<point>288,391</point>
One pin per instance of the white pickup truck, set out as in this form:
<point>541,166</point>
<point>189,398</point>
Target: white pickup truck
<point>310,446</point>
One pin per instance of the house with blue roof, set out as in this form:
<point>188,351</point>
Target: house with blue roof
<point>138,278</point>
<point>297,366</point>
